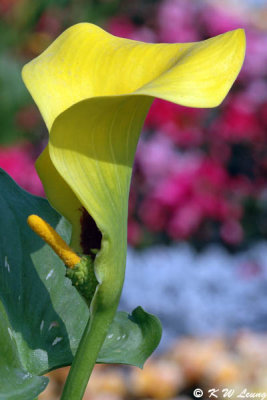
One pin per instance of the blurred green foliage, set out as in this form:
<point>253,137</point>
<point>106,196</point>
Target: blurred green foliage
<point>13,96</point>
<point>26,28</point>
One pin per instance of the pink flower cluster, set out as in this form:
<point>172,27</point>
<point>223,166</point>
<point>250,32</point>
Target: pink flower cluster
<point>182,190</point>
<point>195,168</point>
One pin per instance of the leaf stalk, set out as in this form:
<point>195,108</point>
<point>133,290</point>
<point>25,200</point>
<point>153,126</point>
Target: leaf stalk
<point>86,355</point>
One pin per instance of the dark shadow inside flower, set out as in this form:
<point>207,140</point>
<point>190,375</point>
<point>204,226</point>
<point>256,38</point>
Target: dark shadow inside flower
<point>90,234</point>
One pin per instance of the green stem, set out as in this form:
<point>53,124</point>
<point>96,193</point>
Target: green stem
<point>86,355</point>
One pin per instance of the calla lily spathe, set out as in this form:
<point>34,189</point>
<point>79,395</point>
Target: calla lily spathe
<point>94,91</point>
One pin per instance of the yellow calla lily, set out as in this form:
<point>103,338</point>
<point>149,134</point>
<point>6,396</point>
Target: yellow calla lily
<point>94,91</point>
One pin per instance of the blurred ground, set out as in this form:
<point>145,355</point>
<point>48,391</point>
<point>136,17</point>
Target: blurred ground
<point>237,364</point>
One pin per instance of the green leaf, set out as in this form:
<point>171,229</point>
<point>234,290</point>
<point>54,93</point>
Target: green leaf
<point>42,316</point>
<point>41,311</point>
<point>15,381</point>
<point>131,338</point>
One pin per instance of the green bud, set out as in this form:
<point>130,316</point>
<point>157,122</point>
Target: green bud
<point>83,278</point>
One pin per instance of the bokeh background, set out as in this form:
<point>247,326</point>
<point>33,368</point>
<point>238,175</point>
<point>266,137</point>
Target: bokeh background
<point>197,225</point>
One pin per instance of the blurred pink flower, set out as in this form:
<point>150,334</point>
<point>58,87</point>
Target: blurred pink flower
<point>185,221</point>
<point>50,22</point>
<point>240,186</point>
<point>213,206</point>
<point>134,232</point>
<point>211,175</point>
<point>184,137</point>
<point>176,19</point>
<point>256,91</point>
<point>173,192</point>
<point>238,121</point>
<point>121,26</point>
<point>218,19</point>
<point>144,34</point>
<point>160,113</point>
<point>256,55</point>
<point>263,114</point>
<point>232,232</point>
<point>153,215</point>
<point>157,158</point>
<point>179,123</point>
<point>18,163</point>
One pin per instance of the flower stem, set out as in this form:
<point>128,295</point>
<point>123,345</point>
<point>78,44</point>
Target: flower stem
<point>86,355</point>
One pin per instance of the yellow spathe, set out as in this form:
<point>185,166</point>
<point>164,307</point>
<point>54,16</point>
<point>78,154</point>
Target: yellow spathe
<point>94,91</point>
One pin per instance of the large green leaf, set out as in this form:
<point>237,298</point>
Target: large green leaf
<point>42,316</point>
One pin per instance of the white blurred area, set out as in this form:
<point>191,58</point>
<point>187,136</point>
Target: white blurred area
<point>208,293</point>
